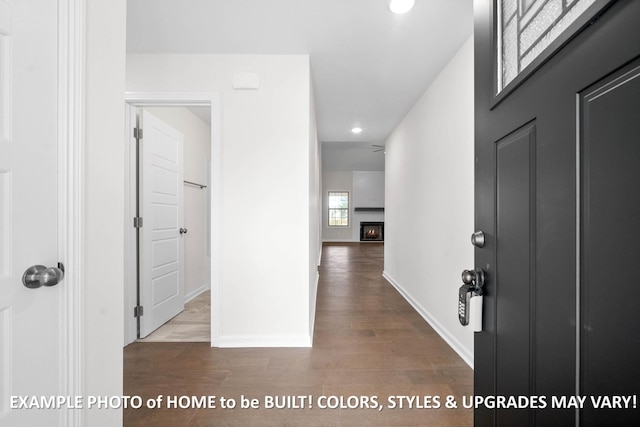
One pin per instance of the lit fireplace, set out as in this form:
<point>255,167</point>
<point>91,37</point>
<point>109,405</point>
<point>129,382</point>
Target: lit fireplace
<point>371,231</point>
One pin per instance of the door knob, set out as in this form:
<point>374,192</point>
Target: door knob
<point>183,231</point>
<point>39,275</point>
<point>474,278</point>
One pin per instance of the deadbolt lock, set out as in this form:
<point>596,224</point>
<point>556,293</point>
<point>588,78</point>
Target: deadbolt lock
<point>477,239</point>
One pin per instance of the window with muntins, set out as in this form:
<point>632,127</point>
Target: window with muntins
<point>338,208</point>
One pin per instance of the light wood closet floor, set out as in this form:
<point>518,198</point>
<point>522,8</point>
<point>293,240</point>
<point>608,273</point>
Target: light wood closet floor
<point>192,325</point>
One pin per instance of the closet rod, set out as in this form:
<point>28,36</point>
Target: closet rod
<point>197,185</point>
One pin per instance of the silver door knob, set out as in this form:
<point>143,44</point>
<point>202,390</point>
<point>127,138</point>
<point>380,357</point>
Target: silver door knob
<point>39,275</point>
<point>474,278</point>
<point>183,231</point>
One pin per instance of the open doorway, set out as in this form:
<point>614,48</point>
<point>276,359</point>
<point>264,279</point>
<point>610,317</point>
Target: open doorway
<point>192,116</point>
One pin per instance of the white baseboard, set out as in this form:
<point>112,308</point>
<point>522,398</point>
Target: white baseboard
<point>191,295</point>
<point>441,330</point>
<point>245,341</point>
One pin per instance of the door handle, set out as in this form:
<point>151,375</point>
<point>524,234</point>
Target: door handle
<point>39,275</point>
<point>474,279</point>
<point>183,231</point>
<point>470,299</point>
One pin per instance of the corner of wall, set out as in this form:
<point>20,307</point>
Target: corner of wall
<point>104,204</point>
<point>464,352</point>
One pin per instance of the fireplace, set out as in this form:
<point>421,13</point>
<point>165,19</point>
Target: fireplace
<point>372,231</point>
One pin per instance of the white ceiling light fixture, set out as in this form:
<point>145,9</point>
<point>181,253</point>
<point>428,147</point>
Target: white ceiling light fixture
<point>401,6</point>
<point>356,130</point>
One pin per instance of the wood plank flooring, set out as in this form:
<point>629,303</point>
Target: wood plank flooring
<point>368,343</point>
<point>192,325</point>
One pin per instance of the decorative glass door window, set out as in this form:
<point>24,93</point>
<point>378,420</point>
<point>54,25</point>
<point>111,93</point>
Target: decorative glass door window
<point>528,28</point>
<point>338,209</point>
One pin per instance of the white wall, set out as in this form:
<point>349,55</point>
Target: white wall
<point>429,200</point>
<point>368,189</point>
<point>197,152</point>
<point>104,205</point>
<point>265,196</point>
<point>352,156</point>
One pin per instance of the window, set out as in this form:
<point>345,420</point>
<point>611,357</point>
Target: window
<point>529,31</point>
<point>338,209</point>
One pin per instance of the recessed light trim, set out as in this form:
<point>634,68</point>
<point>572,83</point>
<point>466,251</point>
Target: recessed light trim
<point>401,6</point>
<point>356,130</point>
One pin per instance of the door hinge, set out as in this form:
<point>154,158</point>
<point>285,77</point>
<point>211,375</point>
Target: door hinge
<point>137,222</point>
<point>138,311</point>
<point>137,133</point>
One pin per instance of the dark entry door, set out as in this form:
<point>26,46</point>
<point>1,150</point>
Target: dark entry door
<point>558,198</point>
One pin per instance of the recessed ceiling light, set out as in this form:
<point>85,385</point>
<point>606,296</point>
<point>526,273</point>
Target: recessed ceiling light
<point>401,6</point>
<point>356,130</point>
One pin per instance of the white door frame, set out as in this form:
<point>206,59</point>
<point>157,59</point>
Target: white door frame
<point>135,100</point>
<point>71,201</point>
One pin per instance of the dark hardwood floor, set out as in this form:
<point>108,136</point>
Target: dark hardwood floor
<point>368,343</point>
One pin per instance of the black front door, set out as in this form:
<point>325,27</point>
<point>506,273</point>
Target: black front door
<point>558,198</point>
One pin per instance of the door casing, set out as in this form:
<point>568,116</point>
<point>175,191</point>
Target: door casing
<point>136,100</point>
<point>71,206</point>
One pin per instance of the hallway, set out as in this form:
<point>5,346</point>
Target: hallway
<point>369,344</point>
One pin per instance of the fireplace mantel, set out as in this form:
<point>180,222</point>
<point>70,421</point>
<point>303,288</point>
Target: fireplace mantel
<point>369,209</point>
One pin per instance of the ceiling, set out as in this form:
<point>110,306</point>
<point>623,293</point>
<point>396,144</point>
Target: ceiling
<point>368,66</point>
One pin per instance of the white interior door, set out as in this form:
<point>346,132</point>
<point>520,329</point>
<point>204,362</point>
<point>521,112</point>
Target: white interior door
<point>161,209</point>
<point>30,319</point>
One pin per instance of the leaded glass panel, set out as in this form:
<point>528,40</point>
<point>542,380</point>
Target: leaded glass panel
<point>526,28</point>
